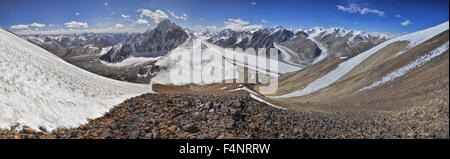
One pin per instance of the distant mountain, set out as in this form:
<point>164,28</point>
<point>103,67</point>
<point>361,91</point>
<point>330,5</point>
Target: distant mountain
<point>154,42</point>
<point>68,45</point>
<point>301,47</point>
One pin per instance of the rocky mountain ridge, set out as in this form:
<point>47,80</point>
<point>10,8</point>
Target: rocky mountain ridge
<point>153,43</point>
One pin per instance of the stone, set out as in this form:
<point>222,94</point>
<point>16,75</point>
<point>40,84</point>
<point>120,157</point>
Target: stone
<point>191,128</point>
<point>133,134</point>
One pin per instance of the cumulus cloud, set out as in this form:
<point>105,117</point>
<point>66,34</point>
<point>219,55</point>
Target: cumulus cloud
<point>106,3</point>
<point>405,23</point>
<point>157,15</point>
<point>125,16</point>
<point>75,24</point>
<point>19,26</point>
<point>264,21</point>
<point>398,16</point>
<point>142,21</point>
<point>253,3</point>
<point>77,14</point>
<point>355,8</point>
<point>119,26</point>
<point>240,25</point>
<point>37,25</point>
<point>183,16</point>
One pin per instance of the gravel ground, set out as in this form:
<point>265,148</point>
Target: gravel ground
<point>229,116</point>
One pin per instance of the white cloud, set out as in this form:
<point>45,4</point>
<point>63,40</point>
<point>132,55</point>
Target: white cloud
<point>157,15</point>
<point>240,25</point>
<point>355,8</point>
<point>212,27</point>
<point>19,26</point>
<point>264,21</point>
<point>253,3</point>
<point>77,31</point>
<point>398,16</point>
<point>75,24</point>
<point>142,21</point>
<point>106,3</point>
<point>125,16</point>
<point>119,26</point>
<point>37,25</point>
<point>405,23</point>
<point>77,14</point>
<point>51,25</point>
<point>184,16</point>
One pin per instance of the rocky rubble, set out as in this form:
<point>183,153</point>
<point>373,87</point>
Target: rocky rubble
<point>154,116</point>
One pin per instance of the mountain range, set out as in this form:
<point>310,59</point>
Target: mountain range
<point>153,43</point>
<point>331,83</point>
<point>297,47</point>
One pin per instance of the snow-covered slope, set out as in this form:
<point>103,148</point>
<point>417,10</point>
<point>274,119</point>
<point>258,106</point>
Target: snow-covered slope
<point>39,89</point>
<point>407,68</point>
<point>414,39</point>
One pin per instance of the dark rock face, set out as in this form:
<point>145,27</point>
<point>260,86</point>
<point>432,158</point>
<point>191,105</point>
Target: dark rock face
<point>337,42</point>
<point>156,42</point>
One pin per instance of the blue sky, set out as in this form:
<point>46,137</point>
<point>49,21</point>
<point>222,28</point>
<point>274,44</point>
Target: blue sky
<point>392,16</point>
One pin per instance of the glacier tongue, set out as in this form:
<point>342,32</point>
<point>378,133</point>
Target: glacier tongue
<point>39,89</point>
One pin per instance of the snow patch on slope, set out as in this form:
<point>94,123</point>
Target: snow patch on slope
<point>39,89</point>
